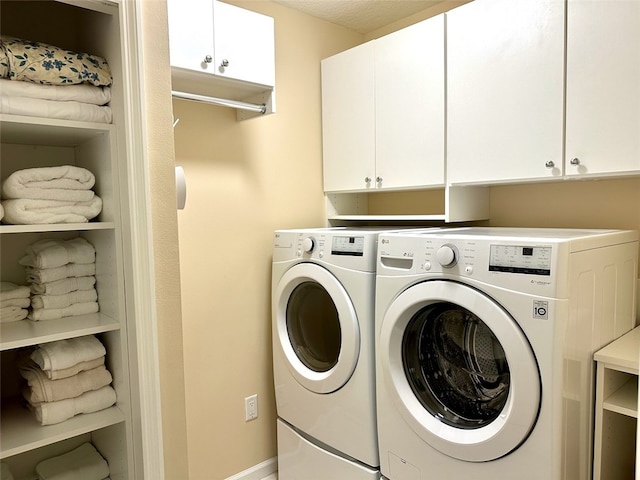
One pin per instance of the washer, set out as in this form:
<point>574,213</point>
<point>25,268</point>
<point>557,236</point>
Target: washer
<point>485,342</point>
<point>323,290</point>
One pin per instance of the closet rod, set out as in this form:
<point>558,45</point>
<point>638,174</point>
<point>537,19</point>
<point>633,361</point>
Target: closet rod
<point>220,101</point>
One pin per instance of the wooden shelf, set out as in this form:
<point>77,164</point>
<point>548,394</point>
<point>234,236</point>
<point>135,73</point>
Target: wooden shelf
<point>21,130</point>
<point>622,354</point>
<point>624,400</point>
<point>22,432</point>
<point>25,333</point>
<point>57,227</point>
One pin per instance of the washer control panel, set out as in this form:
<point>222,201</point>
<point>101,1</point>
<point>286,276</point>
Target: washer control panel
<point>525,259</point>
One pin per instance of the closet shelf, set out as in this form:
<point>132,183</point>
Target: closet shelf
<point>57,227</point>
<point>624,400</point>
<point>26,333</point>
<point>388,218</point>
<point>21,431</point>
<point>21,130</point>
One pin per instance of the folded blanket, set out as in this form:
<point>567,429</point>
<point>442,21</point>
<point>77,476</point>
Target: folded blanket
<point>12,314</point>
<point>64,182</point>
<point>16,302</point>
<point>74,370</point>
<point>48,64</point>
<point>82,463</point>
<point>42,389</point>
<point>35,107</point>
<point>42,314</point>
<point>83,93</point>
<point>64,300</point>
<point>49,253</point>
<point>10,290</point>
<point>65,285</point>
<point>67,353</point>
<point>50,413</point>
<point>27,211</point>
<point>48,275</point>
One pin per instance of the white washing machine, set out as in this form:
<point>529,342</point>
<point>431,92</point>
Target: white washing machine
<point>323,290</point>
<point>485,342</point>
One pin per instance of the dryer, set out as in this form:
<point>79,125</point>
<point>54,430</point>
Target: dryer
<point>323,290</point>
<point>485,342</point>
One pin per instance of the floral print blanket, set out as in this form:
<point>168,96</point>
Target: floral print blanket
<point>49,65</point>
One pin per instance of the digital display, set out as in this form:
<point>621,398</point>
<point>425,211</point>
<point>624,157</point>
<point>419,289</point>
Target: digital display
<point>353,246</point>
<point>518,259</point>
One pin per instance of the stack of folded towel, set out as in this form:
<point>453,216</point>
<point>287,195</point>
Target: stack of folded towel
<point>14,301</point>
<point>67,378</point>
<point>62,278</point>
<point>61,194</point>
<point>41,80</point>
<point>83,463</point>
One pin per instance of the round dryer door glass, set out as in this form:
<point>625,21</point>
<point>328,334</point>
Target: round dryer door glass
<point>455,365</point>
<point>314,327</point>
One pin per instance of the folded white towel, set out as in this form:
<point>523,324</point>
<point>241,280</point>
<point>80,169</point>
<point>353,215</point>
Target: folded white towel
<point>49,253</point>
<point>74,370</point>
<point>16,302</point>
<point>64,300</point>
<point>83,93</point>
<point>83,463</point>
<point>27,211</point>
<point>67,353</point>
<point>49,275</point>
<point>12,314</point>
<point>42,389</point>
<point>10,290</point>
<point>65,182</point>
<point>65,285</point>
<point>43,314</point>
<point>36,107</point>
<point>50,413</point>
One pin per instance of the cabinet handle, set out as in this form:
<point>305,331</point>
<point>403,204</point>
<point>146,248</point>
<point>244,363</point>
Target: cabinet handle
<point>208,59</point>
<point>379,179</point>
<point>225,63</point>
<point>575,161</point>
<point>367,179</point>
<point>550,164</point>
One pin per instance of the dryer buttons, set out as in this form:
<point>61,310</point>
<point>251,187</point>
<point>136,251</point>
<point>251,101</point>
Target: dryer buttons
<point>308,244</point>
<point>447,255</point>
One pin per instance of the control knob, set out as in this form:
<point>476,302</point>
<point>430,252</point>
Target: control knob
<point>447,255</point>
<point>308,244</point>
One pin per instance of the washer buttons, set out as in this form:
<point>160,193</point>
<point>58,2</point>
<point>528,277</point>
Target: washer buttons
<point>468,269</point>
<point>427,266</point>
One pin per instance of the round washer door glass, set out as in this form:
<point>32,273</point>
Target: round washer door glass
<point>316,328</point>
<point>459,370</point>
<point>455,365</point>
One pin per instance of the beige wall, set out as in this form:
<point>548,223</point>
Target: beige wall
<point>244,180</point>
<point>157,90</point>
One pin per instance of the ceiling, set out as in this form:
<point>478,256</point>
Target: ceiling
<point>362,16</point>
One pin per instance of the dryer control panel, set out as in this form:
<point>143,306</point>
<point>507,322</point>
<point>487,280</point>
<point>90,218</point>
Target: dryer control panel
<point>525,259</point>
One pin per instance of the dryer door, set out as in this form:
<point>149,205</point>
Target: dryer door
<point>316,328</point>
<point>459,370</point>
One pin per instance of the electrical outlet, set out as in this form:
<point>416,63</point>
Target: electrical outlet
<point>251,407</point>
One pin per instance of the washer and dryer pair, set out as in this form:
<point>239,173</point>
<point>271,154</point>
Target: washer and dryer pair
<point>483,350</point>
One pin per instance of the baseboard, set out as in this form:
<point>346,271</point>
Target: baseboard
<point>257,472</point>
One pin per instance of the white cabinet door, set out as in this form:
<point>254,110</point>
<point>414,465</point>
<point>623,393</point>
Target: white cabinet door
<point>603,87</point>
<point>191,34</point>
<point>410,102</point>
<point>505,90</point>
<point>244,42</point>
<point>348,120</point>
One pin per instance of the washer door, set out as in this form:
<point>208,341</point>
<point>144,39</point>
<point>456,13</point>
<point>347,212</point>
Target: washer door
<point>316,327</point>
<point>459,370</point>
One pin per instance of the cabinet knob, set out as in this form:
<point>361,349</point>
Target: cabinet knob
<point>224,63</point>
<point>208,59</point>
<point>550,164</point>
<point>367,179</point>
<point>379,179</point>
<point>575,161</point>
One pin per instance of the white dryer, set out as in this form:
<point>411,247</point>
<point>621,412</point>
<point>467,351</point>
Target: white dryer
<point>323,290</point>
<point>485,342</point>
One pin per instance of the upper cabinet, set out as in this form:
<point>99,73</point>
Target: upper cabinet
<point>221,50</point>
<point>603,88</point>
<point>383,112</point>
<point>505,91</point>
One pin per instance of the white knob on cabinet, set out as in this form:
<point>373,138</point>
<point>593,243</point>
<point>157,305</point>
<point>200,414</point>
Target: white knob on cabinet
<point>308,244</point>
<point>447,255</point>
